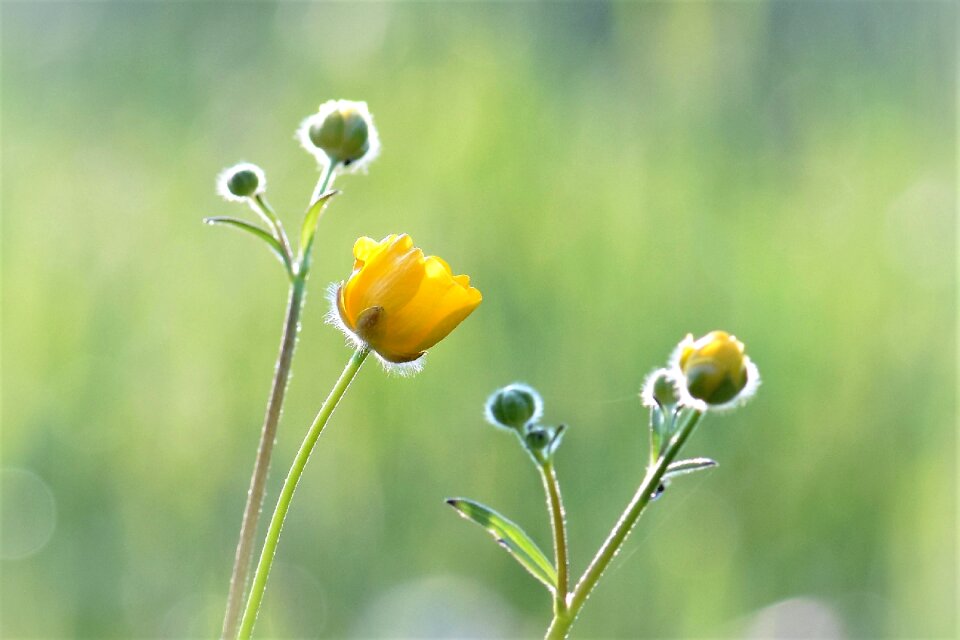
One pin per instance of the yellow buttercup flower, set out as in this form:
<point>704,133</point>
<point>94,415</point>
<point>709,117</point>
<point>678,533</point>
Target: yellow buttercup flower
<point>399,302</point>
<point>715,370</point>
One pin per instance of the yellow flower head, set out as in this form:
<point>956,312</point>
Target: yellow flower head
<point>400,303</point>
<point>714,371</point>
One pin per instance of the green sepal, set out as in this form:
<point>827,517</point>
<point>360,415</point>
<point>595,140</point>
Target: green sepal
<point>556,440</point>
<point>683,467</point>
<point>309,227</point>
<point>511,537</point>
<point>264,235</point>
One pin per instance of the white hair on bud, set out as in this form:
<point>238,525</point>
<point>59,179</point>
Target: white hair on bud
<point>647,395</point>
<point>403,369</point>
<point>223,179</point>
<point>328,107</point>
<point>684,398</point>
<point>687,400</point>
<point>537,402</point>
<point>332,317</point>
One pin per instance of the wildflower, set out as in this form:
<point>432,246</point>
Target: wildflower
<point>398,302</point>
<point>341,132</point>
<point>241,181</point>
<point>513,406</point>
<point>713,372</point>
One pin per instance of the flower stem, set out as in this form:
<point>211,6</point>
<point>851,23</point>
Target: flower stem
<point>557,516</point>
<point>306,252</point>
<point>289,486</point>
<point>324,182</point>
<point>560,626</point>
<point>251,512</point>
<point>266,212</point>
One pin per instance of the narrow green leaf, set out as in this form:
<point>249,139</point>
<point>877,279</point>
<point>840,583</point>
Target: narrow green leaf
<point>511,537</point>
<point>309,227</point>
<point>243,225</point>
<point>683,467</point>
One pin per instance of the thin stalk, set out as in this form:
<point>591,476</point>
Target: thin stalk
<point>258,480</point>
<point>251,511</point>
<point>557,516</point>
<point>305,257</point>
<point>289,486</point>
<point>560,626</point>
<point>324,182</point>
<point>265,211</point>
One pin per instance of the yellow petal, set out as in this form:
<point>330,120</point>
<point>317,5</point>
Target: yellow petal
<point>440,297</point>
<point>417,300</point>
<point>389,277</point>
<point>363,250</point>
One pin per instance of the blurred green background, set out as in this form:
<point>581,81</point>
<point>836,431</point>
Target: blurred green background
<point>611,176</point>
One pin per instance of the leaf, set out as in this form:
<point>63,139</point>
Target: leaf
<point>309,227</point>
<point>243,225</point>
<point>511,537</point>
<point>683,467</point>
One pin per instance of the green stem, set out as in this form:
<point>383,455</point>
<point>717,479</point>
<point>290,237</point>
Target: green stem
<point>289,486</point>
<point>324,182</point>
<point>560,626</point>
<point>258,480</point>
<point>557,516</point>
<point>326,177</point>
<point>251,512</point>
<point>265,211</point>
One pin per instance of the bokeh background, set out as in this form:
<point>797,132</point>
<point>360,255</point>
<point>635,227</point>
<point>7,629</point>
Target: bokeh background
<point>612,176</point>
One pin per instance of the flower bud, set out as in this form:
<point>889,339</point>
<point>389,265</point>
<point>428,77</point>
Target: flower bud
<point>514,406</point>
<point>241,181</point>
<point>343,132</point>
<point>715,371</point>
<point>659,389</point>
<point>537,438</point>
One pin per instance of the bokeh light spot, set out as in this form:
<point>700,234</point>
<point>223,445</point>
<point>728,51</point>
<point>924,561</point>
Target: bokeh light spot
<point>29,514</point>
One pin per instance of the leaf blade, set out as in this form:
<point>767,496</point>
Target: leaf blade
<point>273,244</point>
<point>309,227</point>
<point>691,465</point>
<point>511,537</point>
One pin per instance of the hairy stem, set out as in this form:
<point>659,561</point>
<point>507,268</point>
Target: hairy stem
<point>258,480</point>
<point>266,212</point>
<point>251,511</point>
<point>560,626</point>
<point>289,486</point>
<point>557,516</point>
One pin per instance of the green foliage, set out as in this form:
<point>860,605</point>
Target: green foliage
<point>511,537</point>
<point>611,176</point>
<point>309,227</point>
<point>683,467</point>
<point>256,231</point>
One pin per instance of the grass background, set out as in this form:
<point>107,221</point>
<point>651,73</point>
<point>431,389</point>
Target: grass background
<point>611,176</point>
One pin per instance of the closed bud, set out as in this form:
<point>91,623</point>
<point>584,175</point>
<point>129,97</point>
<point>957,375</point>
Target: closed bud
<point>659,389</point>
<point>343,132</point>
<point>241,181</point>
<point>514,406</point>
<point>714,370</point>
<point>537,438</point>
